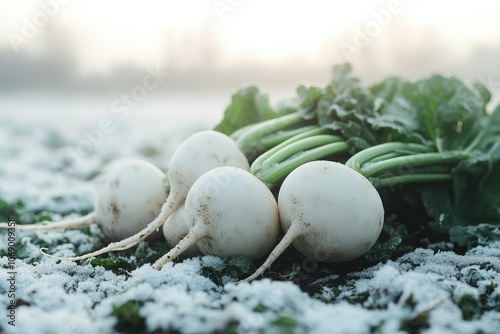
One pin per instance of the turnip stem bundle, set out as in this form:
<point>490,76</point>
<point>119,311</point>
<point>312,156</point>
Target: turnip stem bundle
<point>396,163</point>
<point>259,137</point>
<point>312,143</point>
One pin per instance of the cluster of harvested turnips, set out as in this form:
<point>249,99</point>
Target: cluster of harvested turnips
<point>215,206</point>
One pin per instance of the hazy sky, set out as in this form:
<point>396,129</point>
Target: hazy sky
<point>102,34</point>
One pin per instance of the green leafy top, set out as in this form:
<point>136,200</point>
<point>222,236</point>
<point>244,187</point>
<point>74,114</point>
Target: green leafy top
<point>248,106</point>
<point>437,110</point>
<point>442,110</point>
<point>438,115</point>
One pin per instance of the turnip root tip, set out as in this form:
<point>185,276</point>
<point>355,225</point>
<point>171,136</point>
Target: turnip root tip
<point>65,224</point>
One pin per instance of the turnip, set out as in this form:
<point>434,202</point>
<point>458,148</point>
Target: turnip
<point>330,213</point>
<point>198,154</point>
<point>230,212</point>
<point>128,196</point>
<point>176,228</point>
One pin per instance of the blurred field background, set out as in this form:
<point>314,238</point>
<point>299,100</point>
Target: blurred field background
<point>104,47</point>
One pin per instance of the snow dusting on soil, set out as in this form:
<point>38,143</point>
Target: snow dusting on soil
<point>423,291</point>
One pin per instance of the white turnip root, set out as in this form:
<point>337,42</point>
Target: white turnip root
<point>128,196</point>
<point>176,228</point>
<point>230,212</point>
<point>330,213</point>
<point>198,154</point>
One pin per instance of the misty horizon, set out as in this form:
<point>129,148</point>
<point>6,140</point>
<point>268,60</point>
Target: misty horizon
<point>213,55</point>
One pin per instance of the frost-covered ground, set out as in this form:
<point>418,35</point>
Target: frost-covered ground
<point>426,291</point>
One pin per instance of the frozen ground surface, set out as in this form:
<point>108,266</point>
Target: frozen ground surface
<point>424,291</point>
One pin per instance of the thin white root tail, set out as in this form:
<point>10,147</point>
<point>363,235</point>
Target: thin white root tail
<point>63,224</point>
<point>295,230</point>
<point>167,209</point>
<point>196,233</point>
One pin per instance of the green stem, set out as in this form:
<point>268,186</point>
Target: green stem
<point>279,137</point>
<point>260,130</point>
<point>412,178</point>
<point>313,131</point>
<point>299,146</point>
<point>385,156</point>
<point>362,157</point>
<point>430,169</point>
<point>413,161</point>
<point>238,133</point>
<point>277,173</point>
